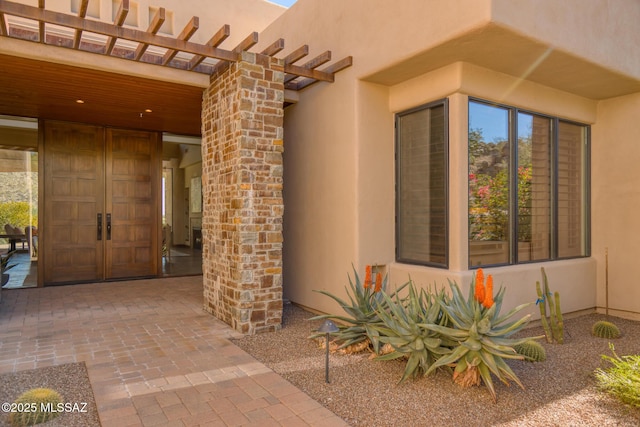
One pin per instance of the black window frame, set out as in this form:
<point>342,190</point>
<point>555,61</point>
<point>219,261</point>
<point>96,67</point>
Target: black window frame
<point>398,235</point>
<point>513,170</point>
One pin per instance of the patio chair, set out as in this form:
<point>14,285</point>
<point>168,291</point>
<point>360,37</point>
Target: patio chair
<point>16,234</point>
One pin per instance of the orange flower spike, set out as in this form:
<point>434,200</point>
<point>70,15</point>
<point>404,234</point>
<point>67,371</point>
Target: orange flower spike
<point>378,282</point>
<point>479,293</point>
<point>488,297</point>
<point>367,277</point>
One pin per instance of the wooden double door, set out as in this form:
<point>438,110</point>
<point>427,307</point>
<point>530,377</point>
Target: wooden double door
<point>100,218</point>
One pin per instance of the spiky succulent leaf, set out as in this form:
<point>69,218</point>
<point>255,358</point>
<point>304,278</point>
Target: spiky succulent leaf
<point>361,312</point>
<point>481,335</point>
<point>401,327</point>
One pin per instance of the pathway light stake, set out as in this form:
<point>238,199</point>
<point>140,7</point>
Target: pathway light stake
<point>328,327</point>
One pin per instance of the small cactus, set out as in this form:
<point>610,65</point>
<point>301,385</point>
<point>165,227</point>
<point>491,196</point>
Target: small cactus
<point>604,329</point>
<point>31,403</point>
<point>532,351</point>
<point>554,326</point>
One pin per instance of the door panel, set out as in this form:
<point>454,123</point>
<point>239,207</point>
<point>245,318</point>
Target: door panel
<point>114,174</point>
<point>132,169</point>
<point>73,196</point>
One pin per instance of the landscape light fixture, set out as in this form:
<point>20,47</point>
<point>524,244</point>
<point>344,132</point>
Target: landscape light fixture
<point>328,327</point>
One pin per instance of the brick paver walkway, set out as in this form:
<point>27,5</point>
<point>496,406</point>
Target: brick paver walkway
<point>153,355</point>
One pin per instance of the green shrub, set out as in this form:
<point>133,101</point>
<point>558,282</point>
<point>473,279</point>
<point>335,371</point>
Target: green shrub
<point>622,379</point>
<point>17,214</point>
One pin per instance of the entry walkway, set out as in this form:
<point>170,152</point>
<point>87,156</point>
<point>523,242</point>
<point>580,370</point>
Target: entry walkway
<point>154,357</point>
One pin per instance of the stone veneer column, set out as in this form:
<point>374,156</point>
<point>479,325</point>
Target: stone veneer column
<point>242,115</point>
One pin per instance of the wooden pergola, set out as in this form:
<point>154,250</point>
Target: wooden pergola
<point>45,82</point>
<point>297,76</point>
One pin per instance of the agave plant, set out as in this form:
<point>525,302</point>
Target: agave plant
<point>401,328</point>
<point>364,298</point>
<point>482,335</point>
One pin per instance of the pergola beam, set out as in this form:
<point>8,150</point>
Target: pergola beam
<point>246,44</point>
<point>297,54</point>
<point>274,48</point>
<point>223,33</point>
<point>319,60</point>
<point>296,76</point>
<point>41,35</point>
<point>188,31</point>
<point>331,69</point>
<point>154,27</point>
<point>305,72</point>
<point>107,29</point>
<point>3,26</point>
<point>84,5</point>
<point>121,16</point>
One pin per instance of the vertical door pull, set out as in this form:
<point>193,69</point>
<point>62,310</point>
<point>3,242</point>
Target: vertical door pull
<point>108,226</point>
<point>99,226</point>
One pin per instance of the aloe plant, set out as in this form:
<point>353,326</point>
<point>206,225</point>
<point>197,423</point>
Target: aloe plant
<point>364,298</point>
<point>402,328</point>
<point>482,338</point>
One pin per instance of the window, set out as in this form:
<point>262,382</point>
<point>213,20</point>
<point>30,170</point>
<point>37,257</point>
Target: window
<point>528,192</point>
<point>421,179</point>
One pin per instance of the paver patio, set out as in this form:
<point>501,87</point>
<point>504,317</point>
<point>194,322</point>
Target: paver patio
<point>154,357</point>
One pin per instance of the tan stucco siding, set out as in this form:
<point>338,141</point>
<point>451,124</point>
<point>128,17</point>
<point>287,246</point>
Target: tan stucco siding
<point>319,194</point>
<point>604,31</point>
<point>615,195</point>
<point>408,55</point>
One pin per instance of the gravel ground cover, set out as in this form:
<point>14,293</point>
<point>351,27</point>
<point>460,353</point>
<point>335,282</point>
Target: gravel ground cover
<point>70,380</point>
<point>558,392</point>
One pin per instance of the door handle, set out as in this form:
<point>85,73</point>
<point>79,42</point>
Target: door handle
<point>108,226</point>
<point>99,226</point>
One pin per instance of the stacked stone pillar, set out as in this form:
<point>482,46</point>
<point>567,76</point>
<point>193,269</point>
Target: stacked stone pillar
<point>242,183</point>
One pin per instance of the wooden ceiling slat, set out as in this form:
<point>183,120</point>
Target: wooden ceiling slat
<point>223,33</point>
<point>319,60</point>
<point>188,31</point>
<point>121,16</point>
<point>154,26</point>
<point>297,54</point>
<point>81,14</point>
<point>31,88</point>
<point>107,29</point>
<point>274,48</point>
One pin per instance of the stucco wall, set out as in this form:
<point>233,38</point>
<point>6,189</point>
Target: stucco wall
<point>602,30</point>
<point>339,165</point>
<point>616,202</point>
